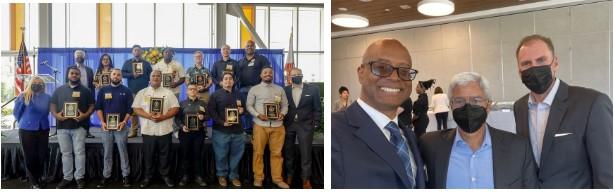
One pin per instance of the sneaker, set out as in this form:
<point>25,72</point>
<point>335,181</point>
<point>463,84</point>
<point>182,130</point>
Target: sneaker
<point>169,182</point>
<point>258,183</point>
<point>126,182</point>
<point>236,182</point>
<point>199,180</point>
<point>222,181</point>
<point>145,183</point>
<point>63,184</point>
<point>183,181</point>
<point>307,184</point>
<point>281,185</point>
<point>103,183</point>
<point>80,183</point>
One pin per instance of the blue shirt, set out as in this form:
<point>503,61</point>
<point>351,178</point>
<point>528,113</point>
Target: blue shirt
<point>33,117</point>
<point>112,99</point>
<point>136,84</point>
<point>468,169</point>
<point>250,70</point>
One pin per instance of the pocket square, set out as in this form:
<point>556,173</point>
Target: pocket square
<point>307,95</point>
<point>561,134</point>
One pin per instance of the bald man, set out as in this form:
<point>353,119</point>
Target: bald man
<point>369,149</point>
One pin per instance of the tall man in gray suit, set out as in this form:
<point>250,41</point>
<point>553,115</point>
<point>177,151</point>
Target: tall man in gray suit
<point>476,155</point>
<point>570,128</point>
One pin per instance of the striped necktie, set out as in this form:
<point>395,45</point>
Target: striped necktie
<point>401,149</point>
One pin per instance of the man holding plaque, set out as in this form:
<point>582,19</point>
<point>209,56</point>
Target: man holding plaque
<point>136,71</point>
<point>86,78</point>
<point>113,108</point>
<point>224,65</point>
<point>227,134</point>
<point>71,132</point>
<point>172,69</point>
<point>303,117</point>
<point>267,130</point>
<point>156,126</point>
<point>200,76</point>
<point>192,114</point>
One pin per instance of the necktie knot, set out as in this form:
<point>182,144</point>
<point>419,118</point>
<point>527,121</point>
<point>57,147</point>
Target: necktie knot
<point>393,128</point>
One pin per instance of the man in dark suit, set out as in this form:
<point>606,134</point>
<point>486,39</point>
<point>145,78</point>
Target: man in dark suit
<point>476,155</point>
<point>87,78</point>
<point>570,128</point>
<point>303,117</point>
<point>368,148</point>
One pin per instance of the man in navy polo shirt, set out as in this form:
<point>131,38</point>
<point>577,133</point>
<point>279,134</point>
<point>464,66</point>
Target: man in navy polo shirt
<point>250,68</point>
<point>71,130</point>
<point>115,99</point>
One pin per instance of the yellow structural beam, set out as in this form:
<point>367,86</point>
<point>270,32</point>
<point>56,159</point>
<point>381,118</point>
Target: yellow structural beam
<point>250,12</point>
<point>103,19</point>
<point>17,13</point>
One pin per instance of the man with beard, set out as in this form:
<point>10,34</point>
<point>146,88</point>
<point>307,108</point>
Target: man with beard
<point>570,127</point>
<point>267,131</point>
<point>224,65</point>
<point>86,79</point>
<point>136,81</point>
<point>476,155</point>
<point>250,68</point>
<point>156,128</point>
<point>368,148</point>
<point>173,67</point>
<point>114,99</point>
<point>71,131</point>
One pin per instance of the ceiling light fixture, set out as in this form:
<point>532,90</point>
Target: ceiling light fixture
<point>436,7</point>
<point>349,20</point>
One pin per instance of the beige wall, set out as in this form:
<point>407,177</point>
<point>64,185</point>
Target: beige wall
<point>582,36</point>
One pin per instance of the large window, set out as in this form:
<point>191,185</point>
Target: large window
<point>169,25</point>
<point>81,30</point>
<point>198,30</point>
<point>140,24</point>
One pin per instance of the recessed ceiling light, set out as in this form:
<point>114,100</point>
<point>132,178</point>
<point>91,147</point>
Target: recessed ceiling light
<point>365,1</point>
<point>404,7</point>
<point>436,7</point>
<point>349,20</point>
<point>342,9</point>
<point>387,10</point>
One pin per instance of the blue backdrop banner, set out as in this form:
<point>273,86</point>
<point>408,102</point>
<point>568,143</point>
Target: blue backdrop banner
<point>62,58</point>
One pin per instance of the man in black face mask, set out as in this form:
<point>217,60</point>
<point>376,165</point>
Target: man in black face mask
<point>570,128</point>
<point>476,155</point>
<point>303,117</point>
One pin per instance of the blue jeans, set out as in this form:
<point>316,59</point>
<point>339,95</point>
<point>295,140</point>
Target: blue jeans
<point>246,118</point>
<point>121,139</point>
<point>228,150</point>
<point>72,141</point>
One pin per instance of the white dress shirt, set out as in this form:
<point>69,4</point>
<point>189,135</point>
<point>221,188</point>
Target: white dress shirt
<point>142,100</point>
<point>175,68</point>
<point>538,117</point>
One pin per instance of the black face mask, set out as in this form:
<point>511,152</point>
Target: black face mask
<point>537,79</point>
<point>37,87</point>
<point>297,79</point>
<point>80,59</point>
<point>470,118</point>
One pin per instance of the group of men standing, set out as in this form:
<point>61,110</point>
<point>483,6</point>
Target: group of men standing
<point>153,105</point>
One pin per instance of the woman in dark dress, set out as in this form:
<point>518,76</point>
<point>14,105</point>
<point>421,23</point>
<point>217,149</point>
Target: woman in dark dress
<point>420,107</point>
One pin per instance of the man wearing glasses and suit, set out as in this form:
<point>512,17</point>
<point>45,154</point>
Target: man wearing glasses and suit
<point>369,149</point>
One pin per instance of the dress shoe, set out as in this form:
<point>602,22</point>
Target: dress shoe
<point>80,183</point>
<point>169,182</point>
<point>258,183</point>
<point>126,182</point>
<point>199,180</point>
<point>63,184</point>
<point>236,182</point>
<point>183,181</point>
<point>145,183</point>
<point>307,184</point>
<point>289,180</point>
<point>104,182</point>
<point>281,185</point>
<point>89,135</point>
<point>222,181</point>
<point>36,186</point>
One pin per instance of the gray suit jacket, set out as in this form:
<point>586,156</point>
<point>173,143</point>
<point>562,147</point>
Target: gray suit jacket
<point>513,162</point>
<point>577,150</point>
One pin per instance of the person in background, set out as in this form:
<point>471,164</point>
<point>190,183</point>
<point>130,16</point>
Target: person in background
<point>104,66</point>
<point>440,102</point>
<point>420,107</point>
<point>224,65</point>
<point>199,69</point>
<point>344,101</point>
<point>136,81</point>
<point>168,65</point>
<point>250,68</point>
<point>31,111</point>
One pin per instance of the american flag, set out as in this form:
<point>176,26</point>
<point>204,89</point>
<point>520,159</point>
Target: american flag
<point>290,59</point>
<point>23,67</point>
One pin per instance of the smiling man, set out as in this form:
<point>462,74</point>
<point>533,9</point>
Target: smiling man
<point>369,149</point>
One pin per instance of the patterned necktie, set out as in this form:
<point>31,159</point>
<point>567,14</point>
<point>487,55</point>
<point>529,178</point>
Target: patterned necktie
<point>401,149</point>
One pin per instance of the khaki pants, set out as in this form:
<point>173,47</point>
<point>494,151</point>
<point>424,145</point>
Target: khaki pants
<point>274,136</point>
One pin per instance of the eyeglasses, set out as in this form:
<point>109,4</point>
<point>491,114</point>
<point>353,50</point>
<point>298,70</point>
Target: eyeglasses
<point>382,69</point>
<point>461,101</point>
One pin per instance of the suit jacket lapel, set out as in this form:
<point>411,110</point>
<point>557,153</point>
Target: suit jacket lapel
<point>500,154</point>
<point>523,123</point>
<point>291,101</point>
<point>556,114</point>
<point>419,179</point>
<point>441,167</point>
<point>371,135</point>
